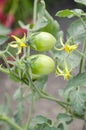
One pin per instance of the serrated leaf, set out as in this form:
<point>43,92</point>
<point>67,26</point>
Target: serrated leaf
<point>62,126</point>
<point>79,35</point>
<point>44,127</point>
<point>81,1</point>
<point>73,60</point>
<point>63,120</point>
<point>64,117</point>
<point>78,80</point>
<point>41,120</point>
<point>77,101</point>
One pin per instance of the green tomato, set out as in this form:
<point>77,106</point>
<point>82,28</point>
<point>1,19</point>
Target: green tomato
<point>42,64</point>
<point>43,41</point>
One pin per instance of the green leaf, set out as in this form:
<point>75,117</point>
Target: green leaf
<point>77,101</point>
<point>41,120</point>
<point>4,30</point>
<point>79,35</point>
<point>70,13</point>
<point>62,126</point>
<point>52,26</point>
<point>3,39</point>
<point>45,127</point>
<point>64,117</point>
<point>78,80</point>
<point>64,13</point>
<point>41,23</point>
<point>42,123</point>
<point>73,60</point>
<point>81,1</point>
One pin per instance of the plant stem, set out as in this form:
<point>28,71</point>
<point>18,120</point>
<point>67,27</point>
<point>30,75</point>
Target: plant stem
<point>35,11</point>
<point>83,49</point>
<point>49,97</point>
<point>5,60</point>
<point>30,114</point>
<point>10,122</point>
<point>11,55</point>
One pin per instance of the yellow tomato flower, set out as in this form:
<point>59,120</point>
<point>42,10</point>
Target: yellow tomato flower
<point>65,72</point>
<point>67,47</point>
<point>19,43</point>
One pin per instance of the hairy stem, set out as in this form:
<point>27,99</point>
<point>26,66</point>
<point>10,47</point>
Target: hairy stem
<point>30,113</point>
<point>5,60</point>
<point>10,122</point>
<point>35,11</point>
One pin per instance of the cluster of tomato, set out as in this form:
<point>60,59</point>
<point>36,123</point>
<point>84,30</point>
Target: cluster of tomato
<point>43,65</point>
<point>40,63</point>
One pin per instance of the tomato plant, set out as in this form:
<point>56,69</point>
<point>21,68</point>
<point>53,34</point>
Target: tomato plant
<point>29,61</point>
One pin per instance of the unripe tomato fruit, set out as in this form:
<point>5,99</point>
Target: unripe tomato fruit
<point>43,41</point>
<point>42,65</point>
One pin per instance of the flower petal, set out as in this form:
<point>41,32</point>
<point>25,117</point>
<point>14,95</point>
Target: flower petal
<point>16,38</point>
<point>14,45</point>
<point>22,44</point>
